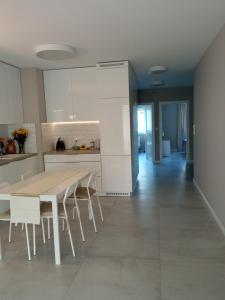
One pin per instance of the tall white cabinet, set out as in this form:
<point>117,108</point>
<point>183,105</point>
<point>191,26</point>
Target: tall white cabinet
<point>10,95</point>
<point>116,101</point>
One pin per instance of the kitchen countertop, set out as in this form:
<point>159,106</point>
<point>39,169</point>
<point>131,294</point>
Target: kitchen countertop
<point>7,159</point>
<point>72,152</point>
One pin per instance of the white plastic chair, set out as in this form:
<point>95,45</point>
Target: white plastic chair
<point>86,193</point>
<point>23,177</point>
<point>5,216</point>
<point>46,212</point>
<point>26,210</point>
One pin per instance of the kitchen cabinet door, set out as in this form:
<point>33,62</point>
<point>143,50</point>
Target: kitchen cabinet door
<point>4,111</point>
<point>14,94</point>
<point>113,82</point>
<point>115,126</point>
<point>84,94</point>
<point>10,95</point>
<point>58,95</point>
<point>116,174</point>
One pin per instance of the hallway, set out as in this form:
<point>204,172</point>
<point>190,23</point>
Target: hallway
<point>160,244</point>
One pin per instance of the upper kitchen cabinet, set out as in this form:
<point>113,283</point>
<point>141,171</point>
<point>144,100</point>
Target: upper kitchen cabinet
<point>58,95</point>
<point>71,95</point>
<point>84,94</point>
<point>10,95</point>
<point>113,80</point>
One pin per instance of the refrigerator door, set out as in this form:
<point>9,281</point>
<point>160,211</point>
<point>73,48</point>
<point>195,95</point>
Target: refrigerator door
<point>116,174</point>
<point>114,116</point>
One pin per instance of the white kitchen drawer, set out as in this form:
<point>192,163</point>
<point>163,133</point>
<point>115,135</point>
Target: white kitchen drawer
<point>51,158</point>
<point>89,157</point>
<point>61,158</point>
<point>56,166</point>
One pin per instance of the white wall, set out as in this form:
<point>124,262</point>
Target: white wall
<point>209,119</point>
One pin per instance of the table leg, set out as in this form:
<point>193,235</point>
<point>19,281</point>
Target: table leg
<point>56,232</point>
<point>0,248</point>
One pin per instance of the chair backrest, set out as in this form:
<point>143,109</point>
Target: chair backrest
<point>69,191</point>
<point>25,209</point>
<point>26,175</point>
<point>3,185</point>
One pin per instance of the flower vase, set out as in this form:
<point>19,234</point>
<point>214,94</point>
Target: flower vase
<point>21,148</point>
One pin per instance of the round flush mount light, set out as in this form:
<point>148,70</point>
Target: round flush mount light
<point>158,83</point>
<point>158,69</point>
<point>55,51</point>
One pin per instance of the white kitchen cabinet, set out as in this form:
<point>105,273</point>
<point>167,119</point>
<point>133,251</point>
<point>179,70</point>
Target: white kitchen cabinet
<point>90,162</point>
<point>71,95</point>
<point>112,82</point>
<point>58,95</point>
<point>10,95</point>
<point>116,174</point>
<point>84,94</point>
<point>115,126</point>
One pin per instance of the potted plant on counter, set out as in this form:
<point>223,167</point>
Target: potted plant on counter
<point>20,136</point>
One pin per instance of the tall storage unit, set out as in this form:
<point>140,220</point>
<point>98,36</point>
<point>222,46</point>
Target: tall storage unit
<point>116,103</point>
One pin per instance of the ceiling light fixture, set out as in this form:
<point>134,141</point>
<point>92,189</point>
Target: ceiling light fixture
<point>55,51</point>
<point>158,69</point>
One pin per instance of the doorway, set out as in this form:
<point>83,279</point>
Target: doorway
<point>174,130</point>
<point>145,118</point>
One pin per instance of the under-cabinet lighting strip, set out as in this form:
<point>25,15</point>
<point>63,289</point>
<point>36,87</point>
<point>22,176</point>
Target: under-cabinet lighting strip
<point>74,122</point>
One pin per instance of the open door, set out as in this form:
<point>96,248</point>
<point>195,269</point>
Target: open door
<point>148,141</point>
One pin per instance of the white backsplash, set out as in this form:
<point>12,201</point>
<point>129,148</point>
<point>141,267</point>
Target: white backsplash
<point>84,132</point>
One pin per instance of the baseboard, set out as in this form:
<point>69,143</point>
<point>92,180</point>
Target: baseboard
<point>217,219</point>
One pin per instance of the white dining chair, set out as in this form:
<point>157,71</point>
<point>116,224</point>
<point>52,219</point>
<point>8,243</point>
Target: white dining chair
<point>46,212</point>
<point>26,210</point>
<point>5,215</point>
<point>23,177</point>
<point>87,193</point>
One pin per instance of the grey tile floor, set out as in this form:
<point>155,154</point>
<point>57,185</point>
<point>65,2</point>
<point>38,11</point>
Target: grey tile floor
<point>161,243</point>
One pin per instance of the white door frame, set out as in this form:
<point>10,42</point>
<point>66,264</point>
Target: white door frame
<point>153,126</point>
<point>188,126</point>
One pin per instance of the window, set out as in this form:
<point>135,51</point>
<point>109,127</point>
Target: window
<point>141,121</point>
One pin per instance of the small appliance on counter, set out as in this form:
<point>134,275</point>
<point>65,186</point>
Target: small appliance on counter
<point>60,145</point>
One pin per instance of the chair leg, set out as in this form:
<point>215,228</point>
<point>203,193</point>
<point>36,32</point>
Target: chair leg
<point>49,230</point>
<point>28,242</point>
<point>93,217</point>
<point>22,227</point>
<point>100,208</point>
<point>0,248</point>
<point>70,236</point>
<point>34,240</point>
<point>43,230</point>
<point>10,232</point>
<point>79,219</point>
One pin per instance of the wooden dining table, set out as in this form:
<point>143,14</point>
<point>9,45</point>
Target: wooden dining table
<point>49,187</point>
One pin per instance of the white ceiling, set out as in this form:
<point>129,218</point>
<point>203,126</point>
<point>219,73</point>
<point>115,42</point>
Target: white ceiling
<point>145,32</point>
